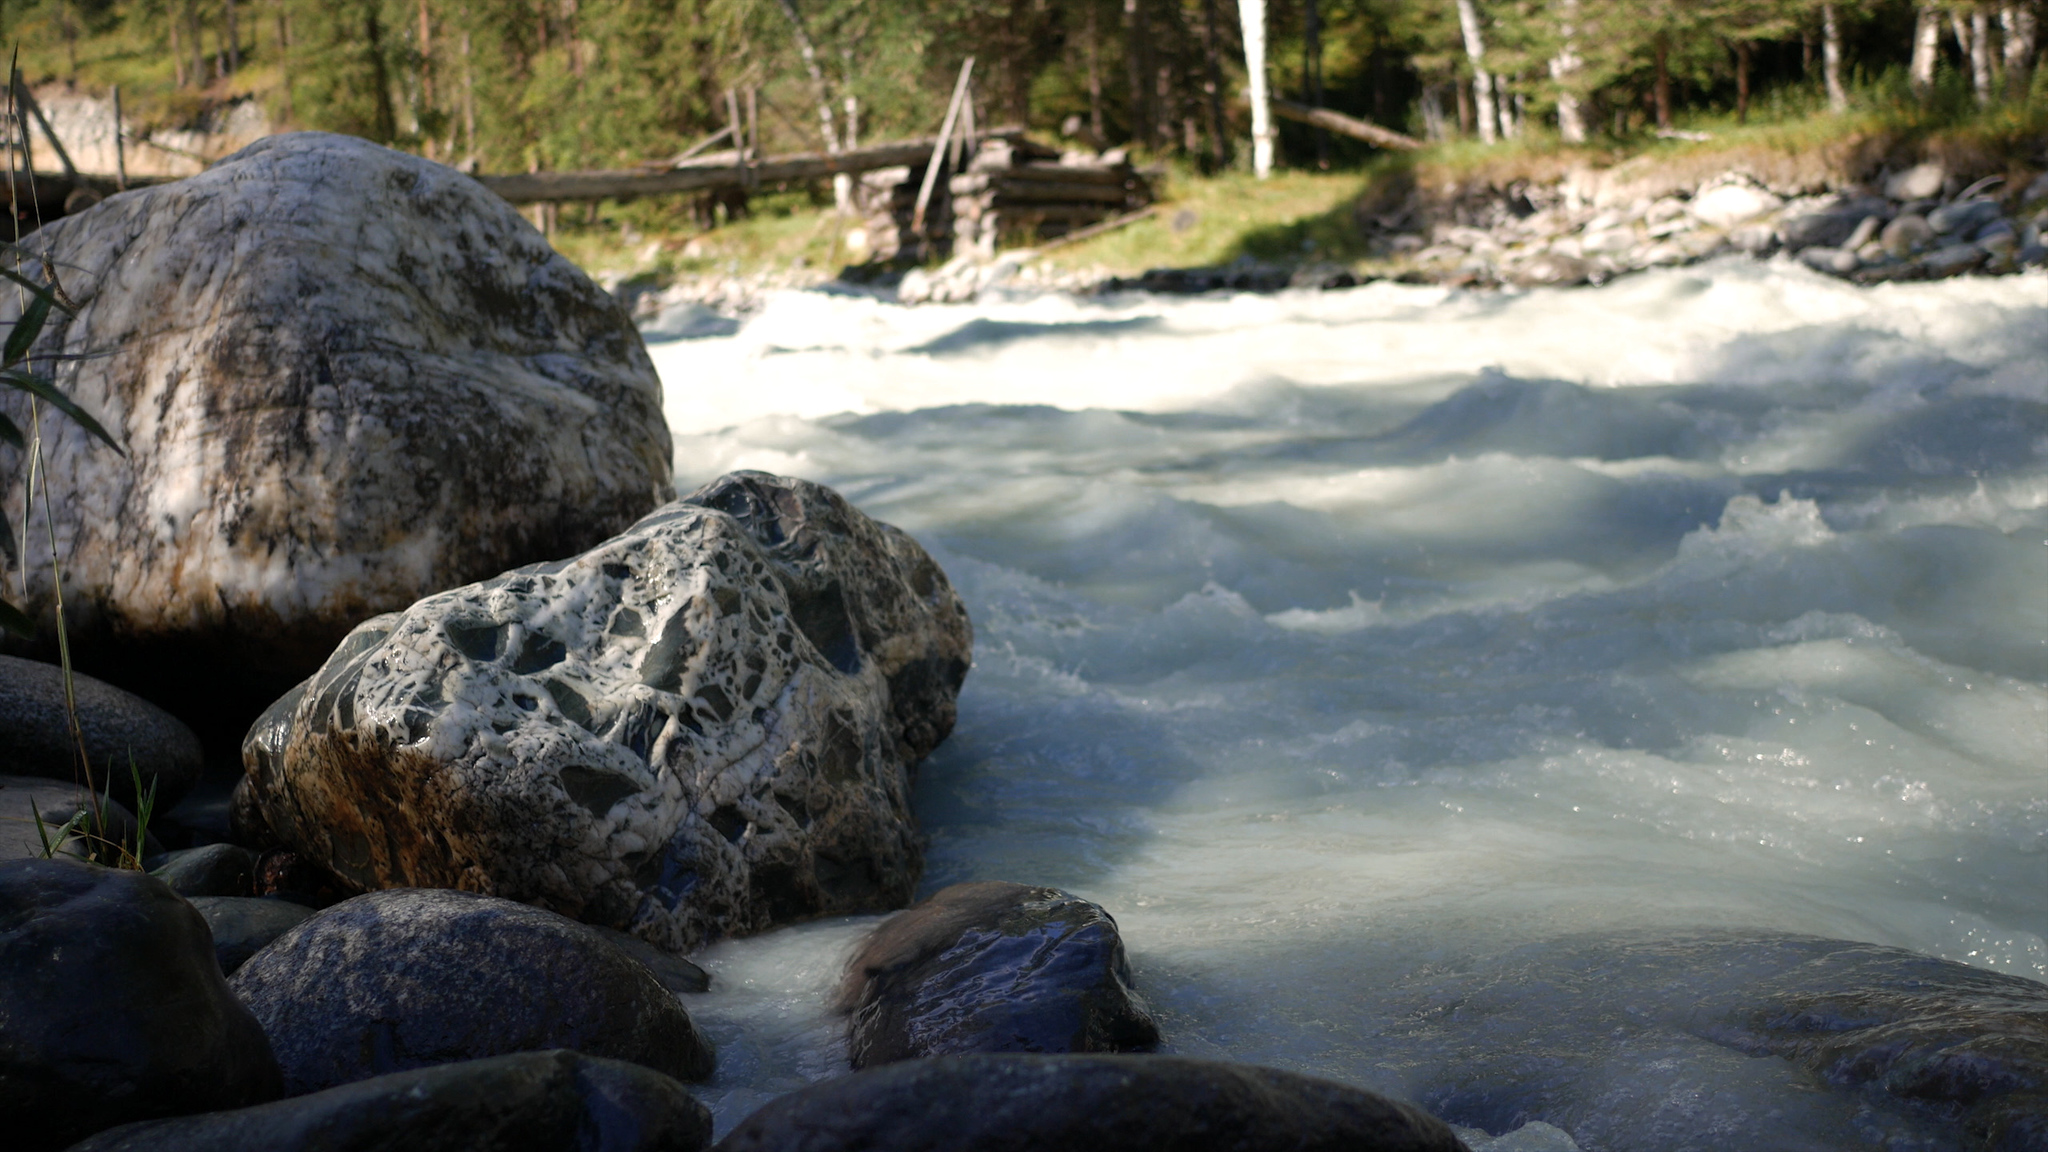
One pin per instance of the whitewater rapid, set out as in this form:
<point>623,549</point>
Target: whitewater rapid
<point>1344,644</point>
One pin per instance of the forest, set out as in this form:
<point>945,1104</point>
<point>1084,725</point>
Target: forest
<point>530,85</point>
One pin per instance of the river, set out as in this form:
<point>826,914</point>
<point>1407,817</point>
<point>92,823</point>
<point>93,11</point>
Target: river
<point>1378,656</point>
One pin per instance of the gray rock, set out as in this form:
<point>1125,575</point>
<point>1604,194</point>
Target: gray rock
<point>1028,1103</point>
<point>35,733</point>
<point>993,967</point>
<point>112,1007</point>
<point>1551,269</point>
<point>415,977</point>
<point>1953,260</point>
<point>1963,218</point>
<point>2031,256</point>
<point>675,973</point>
<point>214,870</point>
<point>1916,183</point>
<point>346,377</point>
<point>1755,239</point>
<point>2036,191</point>
<point>1864,233</point>
<point>705,725</point>
<point>1726,205</point>
<point>244,925</point>
<point>1836,261</point>
<point>1908,233</point>
<point>528,1102</point>
<point>24,799</point>
<point>1830,223</point>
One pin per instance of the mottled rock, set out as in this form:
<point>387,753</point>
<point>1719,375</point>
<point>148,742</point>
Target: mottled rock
<point>702,726</point>
<point>1727,205</point>
<point>415,977</point>
<point>112,1008</point>
<point>24,799</point>
<point>214,870</point>
<point>36,740</point>
<point>1029,1103</point>
<point>244,925</point>
<point>1916,183</point>
<point>1906,234</point>
<point>993,967</point>
<point>528,1102</point>
<point>346,377</point>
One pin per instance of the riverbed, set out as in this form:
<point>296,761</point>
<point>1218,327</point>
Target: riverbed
<point>1349,646</point>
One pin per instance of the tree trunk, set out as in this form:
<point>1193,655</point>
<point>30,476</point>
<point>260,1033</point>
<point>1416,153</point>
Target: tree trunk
<point>2021,33</point>
<point>1212,85</point>
<point>1482,83</point>
<point>1092,29</point>
<point>231,31</point>
<point>1980,54</point>
<point>284,58</point>
<point>426,46</point>
<point>177,54</point>
<point>1312,72</point>
<point>1926,48</point>
<point>1742,60</point>
<point>373,46</point>
<point>819,89</point>
<point>1571,118</point>
<point>1138,63</point>
<point>1253,15</point>
<point>1831,58</point>
<point>1661,92</point>
<point>1433,127</point>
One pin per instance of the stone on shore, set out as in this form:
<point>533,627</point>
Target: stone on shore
<point>36,739</point>
<point>527,1102</point>
<point>993,967</point>
<point>346,378</point>
<point>244,925</point>
<point>1030,1103</point>
<point>1727,205</point>
<point>25,799</point>
<point>212,870</point>
<point>703,726</point>
<point>112,1007</point>
<point>411,978</point>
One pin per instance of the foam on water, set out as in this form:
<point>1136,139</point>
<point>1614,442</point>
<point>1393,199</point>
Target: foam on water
<point>1337,642</point>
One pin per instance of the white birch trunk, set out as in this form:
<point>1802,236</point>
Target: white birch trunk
<point>2021,37</point>
<point>1926,46</point>
<point>1482,83</point>
<point>1253,15</point>
<point>1980,54</point>
<point>1571,119</point>
<point>1831,58</point>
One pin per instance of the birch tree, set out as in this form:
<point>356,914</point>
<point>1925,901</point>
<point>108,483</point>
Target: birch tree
<point>1252,13</point>
<point>1831,58</point>
<point>1487,111</point>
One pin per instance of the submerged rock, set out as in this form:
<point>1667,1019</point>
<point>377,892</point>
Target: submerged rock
<point>529,1102</point>
<point>412,978</point>
<point>1025,1103</point>
<point>702,726</point>
<point>346,378</point>
<point>36,739</point>
<point>993,967</point>
<point>112,1007</point>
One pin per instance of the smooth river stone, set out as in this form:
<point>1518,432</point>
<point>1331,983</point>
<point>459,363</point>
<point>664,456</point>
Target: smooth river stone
<point>346,378</point>
<point>112,1007</point>
<point>119,728</point>
<point>993,967</point>
<point>703,726</point>
<point>412,978</point>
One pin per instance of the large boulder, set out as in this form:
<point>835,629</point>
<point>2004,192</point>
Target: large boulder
<point>125,735</point>
<point>705,725</point>
<point>106,830</point>
<point>112,1007</point>
<point>1029,1103</point>
<point>413,978</point>
<point>528,1102</point>
<point>993,967</point>
<point>244,925</point>
<point>346,377</point>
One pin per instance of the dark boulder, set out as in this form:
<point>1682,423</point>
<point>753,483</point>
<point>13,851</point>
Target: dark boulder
<point>527,1102</point>
<point>1831,224</point>
<point>408,978</point>
<point>108,827</point>
<point>244,925</point>
<point>993,967</point>
<point>675,973</point>
<point>36,740</point>
<point>215,870</point>
<point>1033,1103</point>
<point>112,1007</point>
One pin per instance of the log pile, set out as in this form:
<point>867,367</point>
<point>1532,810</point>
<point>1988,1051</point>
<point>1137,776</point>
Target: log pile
<point>1012,192</point>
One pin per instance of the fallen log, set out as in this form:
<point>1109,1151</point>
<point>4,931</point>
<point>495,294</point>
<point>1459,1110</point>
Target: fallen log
<point>1344,125</point>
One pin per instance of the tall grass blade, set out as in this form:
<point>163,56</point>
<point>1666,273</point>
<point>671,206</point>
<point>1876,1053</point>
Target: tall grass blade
<point>26,330</point>
<point>39,291</point>
<point>37,386</point>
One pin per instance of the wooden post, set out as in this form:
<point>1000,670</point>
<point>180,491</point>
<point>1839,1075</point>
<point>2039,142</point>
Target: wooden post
<point>120,149</point>
<point>739,136</point>
<point>931,169</point>
<point>28,101</point>
<point>753,127</point>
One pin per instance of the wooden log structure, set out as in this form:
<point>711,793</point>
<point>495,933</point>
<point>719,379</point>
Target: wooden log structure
<point>1344,125</point>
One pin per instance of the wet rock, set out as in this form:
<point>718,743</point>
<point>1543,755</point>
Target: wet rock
<point>528,1102</point>
<point>1830,223</point>
<point>1916,183</point>
<point>1953,260</point>
<point>2031,256</point>
<point>1906,234</point>
<point>1552,269</point>
<point>416,977</point>
<point>1865,233</point>
<point>215,870</point>
<point>1728,205</point>
<point>346,377</point>
<point>244,925</point>
<point>1963,218</point>
<point>703,726</point>
<point>112,1007</point>
<point>675,973</point>
<point>993,967</point>
<point>1029,1103</point>
<point>25,799</point>
<point>36,740</point>
<point>1832,260</point>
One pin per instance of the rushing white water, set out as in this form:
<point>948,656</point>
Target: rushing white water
<point>1348,645</point>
